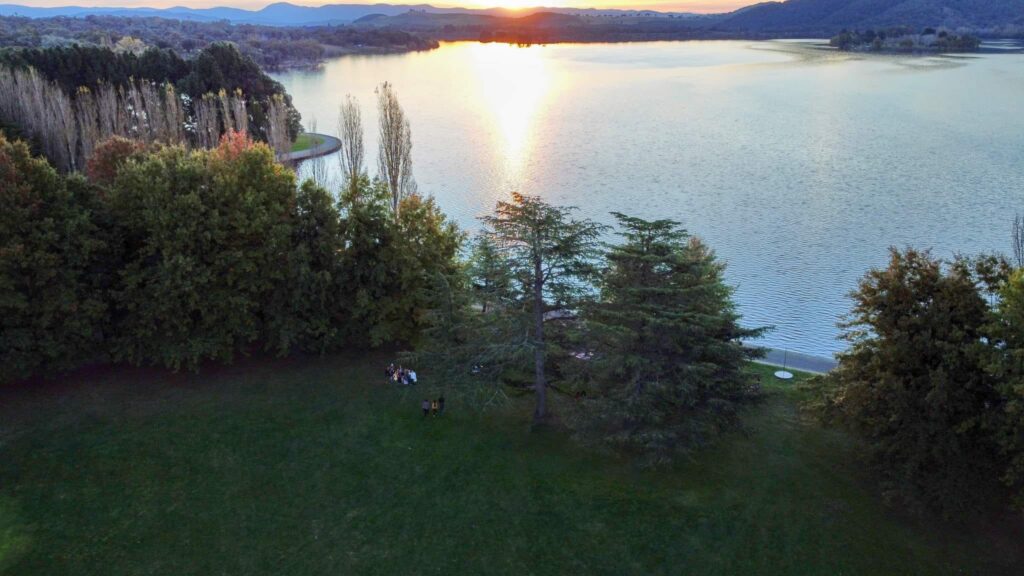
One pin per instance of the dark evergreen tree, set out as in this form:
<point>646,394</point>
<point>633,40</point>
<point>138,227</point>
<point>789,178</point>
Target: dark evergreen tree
<point>221,66</point>
<point>551,258</point>
<point>491,279</point>
<point>1007,367</point>
<point>913,384</point>
<point>666,345</point>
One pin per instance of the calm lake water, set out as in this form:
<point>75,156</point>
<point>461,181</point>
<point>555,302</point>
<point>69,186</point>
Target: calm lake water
<point>798,165</point>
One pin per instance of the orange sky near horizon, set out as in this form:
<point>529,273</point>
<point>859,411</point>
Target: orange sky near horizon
<point>703,6</point>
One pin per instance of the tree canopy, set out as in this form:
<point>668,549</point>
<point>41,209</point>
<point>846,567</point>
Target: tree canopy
<point>666,344</point>
<point>52,305</point>
<point>913,383</point>
<point>174,257</point>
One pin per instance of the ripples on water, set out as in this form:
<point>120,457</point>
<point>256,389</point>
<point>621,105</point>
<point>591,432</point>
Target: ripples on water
<point>799,165</point>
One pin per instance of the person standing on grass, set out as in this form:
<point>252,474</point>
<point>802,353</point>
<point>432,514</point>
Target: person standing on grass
<point>440,404</point>
<point>433,408</point>
<point>426,407</point>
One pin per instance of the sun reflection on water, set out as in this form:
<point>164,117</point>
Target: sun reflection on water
<point>514,82</point>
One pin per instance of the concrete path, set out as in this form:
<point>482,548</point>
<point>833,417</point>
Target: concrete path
<point>328,145</point>
<point>798,361</point>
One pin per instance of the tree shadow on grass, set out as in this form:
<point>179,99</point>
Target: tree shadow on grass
<point>14,540</point>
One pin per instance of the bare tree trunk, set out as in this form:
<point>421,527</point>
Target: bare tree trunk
<point>350,132</point>
<point>240,112</point>
<point>69,127</point>
<point>317,164</point>
<point>87,115</point>
<point>277,125</point>
<point>540,381</point>
<point>174,115</point>
<point>394,158</point>
<point>1018,240</point>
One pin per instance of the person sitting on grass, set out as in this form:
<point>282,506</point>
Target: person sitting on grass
<point>426,407</point>
<point>412,376</point>
<point>389,371</point>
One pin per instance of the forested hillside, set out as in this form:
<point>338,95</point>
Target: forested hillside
<point>830,16</point>
<point>271,47</point>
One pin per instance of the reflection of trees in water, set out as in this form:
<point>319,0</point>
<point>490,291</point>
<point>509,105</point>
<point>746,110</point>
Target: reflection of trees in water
<point>819,52</point>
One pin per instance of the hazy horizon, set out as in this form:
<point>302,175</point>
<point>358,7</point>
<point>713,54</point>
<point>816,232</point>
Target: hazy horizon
<point>704,6</point>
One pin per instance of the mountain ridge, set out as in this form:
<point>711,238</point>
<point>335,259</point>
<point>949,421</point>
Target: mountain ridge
<point>288,14</point>
<point>824,17</point>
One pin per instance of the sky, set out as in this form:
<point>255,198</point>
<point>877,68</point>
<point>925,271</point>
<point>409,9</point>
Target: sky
<point>663,5</point>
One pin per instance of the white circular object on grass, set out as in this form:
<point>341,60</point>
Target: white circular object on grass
<point>783,375</point>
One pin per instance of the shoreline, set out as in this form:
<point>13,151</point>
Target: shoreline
<point>329,145</point>
<point>798,361</point>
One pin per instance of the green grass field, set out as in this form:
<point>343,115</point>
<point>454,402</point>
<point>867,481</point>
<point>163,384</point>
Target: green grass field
<point>306,141</point>
<point>313,466</point>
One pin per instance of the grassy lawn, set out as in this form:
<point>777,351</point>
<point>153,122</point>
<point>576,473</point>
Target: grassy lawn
<point>313,466</point>
<point>305,142</point>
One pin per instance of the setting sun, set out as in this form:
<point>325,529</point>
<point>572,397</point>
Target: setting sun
<point>511,4</point>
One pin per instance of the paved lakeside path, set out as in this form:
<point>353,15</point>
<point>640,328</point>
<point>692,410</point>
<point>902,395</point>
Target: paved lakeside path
<point>798,361</point>
<point>327,145</point>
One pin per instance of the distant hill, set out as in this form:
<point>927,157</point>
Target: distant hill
<point>177,13</point>
<point>790,18</point>
<point>830,16</point>
<point>286,14</point>
<point>417,20</point>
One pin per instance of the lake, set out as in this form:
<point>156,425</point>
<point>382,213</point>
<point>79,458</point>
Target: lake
<point>800,166</point>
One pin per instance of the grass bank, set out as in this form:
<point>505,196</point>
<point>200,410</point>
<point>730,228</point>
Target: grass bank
<point>314,467</point>
<point>306,141</point>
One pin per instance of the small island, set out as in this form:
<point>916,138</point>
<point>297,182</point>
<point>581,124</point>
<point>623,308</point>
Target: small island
<point>904,40</point>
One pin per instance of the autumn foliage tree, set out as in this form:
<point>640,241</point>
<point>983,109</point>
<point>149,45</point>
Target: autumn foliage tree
<point>108,157</point>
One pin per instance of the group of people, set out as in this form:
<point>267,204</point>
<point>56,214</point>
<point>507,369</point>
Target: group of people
<point>433,407</point>
<point>407,377</point>
<point>399,375</point>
